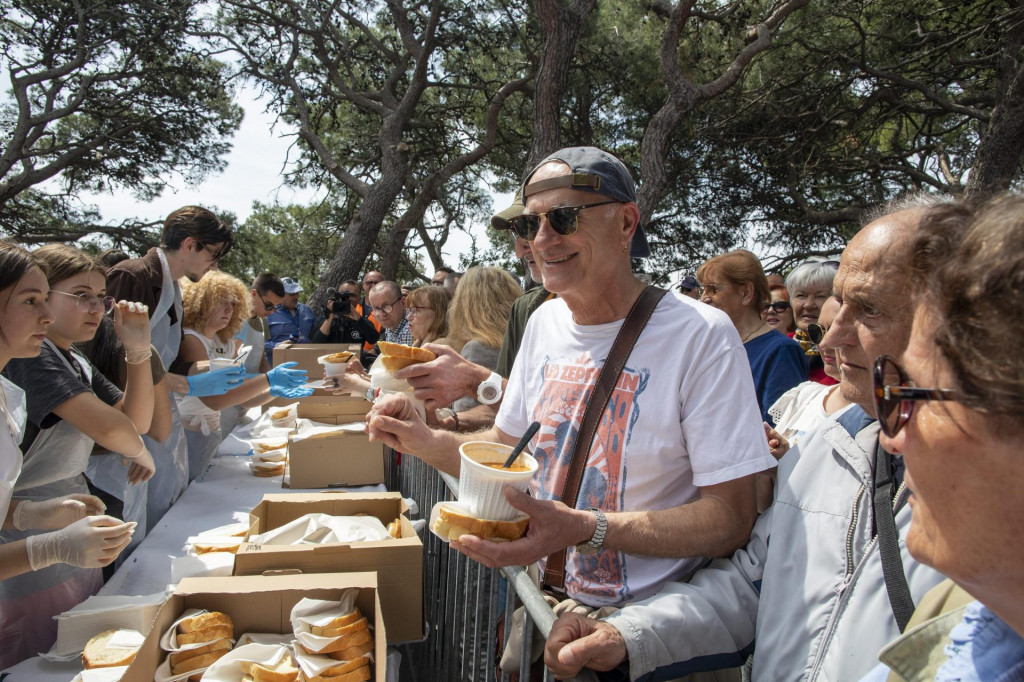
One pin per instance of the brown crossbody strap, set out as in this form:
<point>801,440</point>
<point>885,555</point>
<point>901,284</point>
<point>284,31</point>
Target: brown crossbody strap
<point>636,320</point>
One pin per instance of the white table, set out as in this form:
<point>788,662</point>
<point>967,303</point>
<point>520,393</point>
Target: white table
<point>223,494</point>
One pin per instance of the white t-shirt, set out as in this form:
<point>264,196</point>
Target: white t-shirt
<point>799,410</point>
<point>192,409</point>
<point>683,416</point>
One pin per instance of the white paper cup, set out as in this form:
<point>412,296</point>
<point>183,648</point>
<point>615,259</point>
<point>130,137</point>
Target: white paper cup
<point>332,369</point>
<point>481,488</point>
<point>220,363</point>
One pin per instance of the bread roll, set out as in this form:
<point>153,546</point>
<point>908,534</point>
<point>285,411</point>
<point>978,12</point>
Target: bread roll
<point>452,525</point>
<point>202,548</point>
<point>97,653</point>
<point>395,528</point>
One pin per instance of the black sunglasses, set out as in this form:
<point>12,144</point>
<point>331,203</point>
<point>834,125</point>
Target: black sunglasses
<point>564,220</point>
<point>778,306</point>
<point>894,399</point>
<point>267,305</point>
<point>816,332</point>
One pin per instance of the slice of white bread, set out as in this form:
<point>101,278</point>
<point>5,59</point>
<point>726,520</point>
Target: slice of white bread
<point>352,638</point>
<point>395,356</point>
<point>97,653</point>
<point>395,528</point>
<point>339,622</point>
<point>284,671</point>
<point>453,525</point>
<point>345,630</point>
<point>204,620</point>
<point>197,662</point>
<point>267,447</point>
<point>203,548</point>
<point>352,652</point>
<point>345,673</point>
<point>268,472</point>
<point>177,657</point>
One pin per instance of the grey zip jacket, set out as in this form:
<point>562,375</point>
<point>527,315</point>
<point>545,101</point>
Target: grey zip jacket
<point>807,588</point>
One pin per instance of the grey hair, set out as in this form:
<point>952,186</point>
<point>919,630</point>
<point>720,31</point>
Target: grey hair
<point>811,274</point>
<point>908,201</point>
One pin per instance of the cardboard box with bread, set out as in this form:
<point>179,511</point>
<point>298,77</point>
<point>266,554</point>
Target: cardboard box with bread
<point>269,607</point>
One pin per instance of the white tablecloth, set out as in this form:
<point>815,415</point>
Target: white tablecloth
<point>223,494</point>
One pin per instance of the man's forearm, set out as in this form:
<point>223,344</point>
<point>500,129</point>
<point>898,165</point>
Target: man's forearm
<point>710,526</point>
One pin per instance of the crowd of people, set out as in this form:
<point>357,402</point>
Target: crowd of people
<point>745,471</point>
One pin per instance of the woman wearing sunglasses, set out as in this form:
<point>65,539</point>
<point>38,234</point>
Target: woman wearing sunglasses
<point>70,406</point>
<point>953,407</point>
<point>735,283</point>
<point>779,313</point>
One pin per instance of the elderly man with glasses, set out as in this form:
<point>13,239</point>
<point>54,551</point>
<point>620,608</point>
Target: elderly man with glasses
<point>669,477</point>
<point>389,311</point>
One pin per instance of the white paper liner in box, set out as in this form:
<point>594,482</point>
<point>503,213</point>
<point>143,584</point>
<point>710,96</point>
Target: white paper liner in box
<point>318,612</point>
<point>265,638</point>
<point>202,565</point>
<point>169,640</point>
<point>322,528</point>
<point>308,429</point>
<point>112,674</point>
<point>314,664</point>
<point>76,626</point>
<point>228,668</point>
<point>383,382</point>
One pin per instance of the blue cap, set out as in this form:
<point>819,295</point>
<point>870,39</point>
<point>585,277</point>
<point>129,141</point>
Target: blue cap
<point>689,282</point>
<point>593,170</point>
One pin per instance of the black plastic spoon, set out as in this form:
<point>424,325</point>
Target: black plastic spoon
<point>512,456</point>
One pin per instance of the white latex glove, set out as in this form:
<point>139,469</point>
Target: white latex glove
<point>140,467</point>
<point>92,542</point>
<point>56,513</point>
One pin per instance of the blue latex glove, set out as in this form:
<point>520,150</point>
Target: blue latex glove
<point>283,377</point>
<point>217,382</point>
<point>290,392</point>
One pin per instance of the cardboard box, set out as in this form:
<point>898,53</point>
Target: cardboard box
<point>305,354</point>
<point>334,460</point>
<point>260,604</point>
<point>398,562</point>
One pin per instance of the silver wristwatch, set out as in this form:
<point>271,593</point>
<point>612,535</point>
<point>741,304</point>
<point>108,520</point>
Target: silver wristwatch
<point>489,390</point>
<point>596,542</point>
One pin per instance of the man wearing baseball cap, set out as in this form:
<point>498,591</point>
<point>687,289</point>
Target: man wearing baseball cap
<point>669,475</point>
<point>290,321</point>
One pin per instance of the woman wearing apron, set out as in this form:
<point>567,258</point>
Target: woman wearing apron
<point>69,408</point>
<point>215,308</point>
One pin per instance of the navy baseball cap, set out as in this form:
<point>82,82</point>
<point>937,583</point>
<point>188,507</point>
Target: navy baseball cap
<point>689,282</point>
<point>591,170</point>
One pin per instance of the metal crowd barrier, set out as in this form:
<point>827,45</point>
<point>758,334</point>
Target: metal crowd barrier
<point>464,598</point>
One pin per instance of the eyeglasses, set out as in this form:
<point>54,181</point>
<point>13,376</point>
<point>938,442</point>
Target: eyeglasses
<point>778,306</point>
<point>564,220</point>
<point>712,289</point>
<point>386,309</point>
<point>894,399</point>
<point>267,305</point>
<point>88,302</point>
<point>414,310</point>
<point>217,256</point>
<point>816,332</point>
